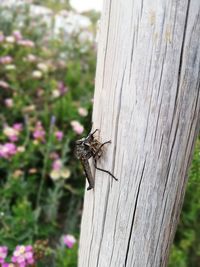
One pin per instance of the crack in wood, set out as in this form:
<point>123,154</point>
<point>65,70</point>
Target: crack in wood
<point>181,56</point>
<point>134,211</point>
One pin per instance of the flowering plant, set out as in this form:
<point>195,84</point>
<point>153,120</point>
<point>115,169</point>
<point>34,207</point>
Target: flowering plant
<point>46,87</point>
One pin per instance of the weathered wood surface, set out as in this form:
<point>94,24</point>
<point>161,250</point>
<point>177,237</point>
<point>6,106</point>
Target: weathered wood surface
<point>147,102</point>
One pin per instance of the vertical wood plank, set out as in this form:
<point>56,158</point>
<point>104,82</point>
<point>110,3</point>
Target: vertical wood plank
<point>147,102</point>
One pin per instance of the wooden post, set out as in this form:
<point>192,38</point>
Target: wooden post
<point>147,102</point>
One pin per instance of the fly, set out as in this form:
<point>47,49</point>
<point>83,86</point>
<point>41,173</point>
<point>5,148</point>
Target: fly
<point>87,148</point>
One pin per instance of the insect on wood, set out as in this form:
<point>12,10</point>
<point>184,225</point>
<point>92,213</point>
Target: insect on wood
<point>90,147</point>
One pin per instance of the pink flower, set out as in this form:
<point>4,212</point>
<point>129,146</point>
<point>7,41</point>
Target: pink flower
<point>29,258</point>
<point>83,112</point>
<point>62,88</point>
<point>11,133</point>
<point>39,132</point>
<point>59,135</point>
<point>12,149</point>
<point>54,155</point>
<point>13,138</point>
<point>77,127</point>
<point>9,264</point>
<point>4,84</point>
<point>7,150</point>
<point>8,102</point>
<point>6,60</point>
<point>17,35</point>
<point>18,127</point>
<point>3,253</point>
<point>1,37</point>
<point>26,43</point>
<point>57,164</point>
<point>23,256</point>
<point>69,240</point>
<point>31,58</point>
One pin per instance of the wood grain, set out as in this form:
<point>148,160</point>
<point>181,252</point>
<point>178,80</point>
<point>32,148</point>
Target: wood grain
<point>147,102</point>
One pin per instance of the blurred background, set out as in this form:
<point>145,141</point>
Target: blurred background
<point>47,71</point>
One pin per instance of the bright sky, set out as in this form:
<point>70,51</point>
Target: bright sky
<point>84,5</point>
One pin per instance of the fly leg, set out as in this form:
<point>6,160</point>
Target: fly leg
<point>90,137</point>
<point>94,132</point>
<point>99,149</point>
<point>91,134</point>
<point>95,165</point>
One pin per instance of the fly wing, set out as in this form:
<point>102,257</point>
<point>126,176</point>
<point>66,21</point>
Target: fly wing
<point>88,173</point>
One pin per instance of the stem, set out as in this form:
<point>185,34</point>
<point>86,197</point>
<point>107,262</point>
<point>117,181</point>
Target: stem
<point>44,170</point>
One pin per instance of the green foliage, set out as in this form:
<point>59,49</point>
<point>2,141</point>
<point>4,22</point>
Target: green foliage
<point>56,5</point>
<point>67,258</point>
<point>186,248</point>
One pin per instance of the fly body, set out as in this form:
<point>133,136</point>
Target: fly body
<point>88,173</point>
<point>87,148</point>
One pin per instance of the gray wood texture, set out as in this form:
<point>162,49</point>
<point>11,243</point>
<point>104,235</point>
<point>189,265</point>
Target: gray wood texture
<point>147,102</point>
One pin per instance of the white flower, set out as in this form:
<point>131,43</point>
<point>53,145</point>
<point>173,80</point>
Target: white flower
<point>56,93</point>
<point>35,142</point>
<point>10,67</point>
<point>9,131</point>
<point>85,36</point>
<point>29,108</point>
<point>37,74</point>
<point>65,173</point>
<point>10,39</point>
<point>43,67</point>
<point>55,175</point>
<point>21,149</point>
<point>83,112</point>
<point>31,58</point>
